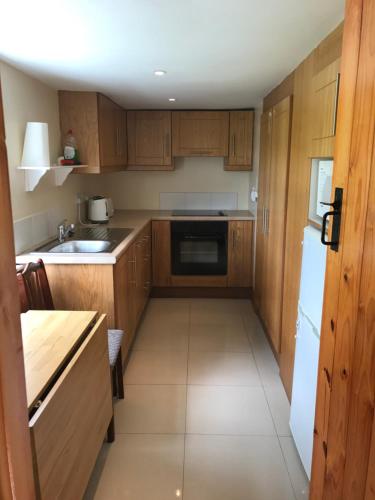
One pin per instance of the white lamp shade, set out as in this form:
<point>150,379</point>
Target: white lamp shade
<point>36,146</point>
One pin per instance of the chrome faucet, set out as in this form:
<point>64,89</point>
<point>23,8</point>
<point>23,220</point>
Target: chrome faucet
<point>64,230</point>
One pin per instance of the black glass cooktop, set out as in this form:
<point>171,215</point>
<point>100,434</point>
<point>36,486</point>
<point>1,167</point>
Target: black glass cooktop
<point>199,213</point>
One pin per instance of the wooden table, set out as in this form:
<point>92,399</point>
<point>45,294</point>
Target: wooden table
<point>49,339</point>
<point>69,396</point>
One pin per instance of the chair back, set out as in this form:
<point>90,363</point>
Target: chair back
<point>33,286</point>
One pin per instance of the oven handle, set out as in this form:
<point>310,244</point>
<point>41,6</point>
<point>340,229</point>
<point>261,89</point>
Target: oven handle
<point>202,237</point>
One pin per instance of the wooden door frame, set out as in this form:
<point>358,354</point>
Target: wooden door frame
<point>344,417</point>
<point>16,472</point>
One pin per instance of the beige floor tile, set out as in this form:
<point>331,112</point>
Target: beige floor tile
<point>228,410</point>
<point>217,306</point>
<point>223,337</point>
<point>150,367</point>
<point>151,409</point>
<point>235,468</point>
<point>174,337</point>
<point>139,467</point>
<point>209,317</point>
<point>279,406</point>
<point>297,473</point>
<point>168,306</point>
<point>222,368</point>
<point>265,360</point>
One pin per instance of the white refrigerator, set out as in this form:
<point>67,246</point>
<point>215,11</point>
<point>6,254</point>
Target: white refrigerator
<point>307,344</point>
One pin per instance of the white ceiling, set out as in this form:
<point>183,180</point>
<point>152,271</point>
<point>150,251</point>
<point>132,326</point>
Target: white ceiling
<point>217,53</point>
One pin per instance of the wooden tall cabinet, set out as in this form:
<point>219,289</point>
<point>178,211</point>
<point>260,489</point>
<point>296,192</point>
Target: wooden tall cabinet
<point>260,290</point>
<point>240,140</point>
<point>99,126</point>
<point>271,224</point>
<point>149,140</point>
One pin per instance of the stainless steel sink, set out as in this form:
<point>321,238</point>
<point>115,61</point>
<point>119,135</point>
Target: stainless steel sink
<point>88,240</point>
<point>81,246</point>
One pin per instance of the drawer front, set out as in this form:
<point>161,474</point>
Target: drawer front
<point>68,429</point>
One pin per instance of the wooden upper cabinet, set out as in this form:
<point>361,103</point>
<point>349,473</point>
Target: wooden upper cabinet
<point>149,140</point>
<point>240,140</point>
<point>240,254</point>
<point>325,99</point>
<point>99,126</point>
<point>200,133</point>
<point>112,133</point>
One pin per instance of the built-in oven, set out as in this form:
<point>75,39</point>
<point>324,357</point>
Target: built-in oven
<point>199,247</point>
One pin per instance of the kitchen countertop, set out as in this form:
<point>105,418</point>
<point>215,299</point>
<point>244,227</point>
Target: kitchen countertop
<point>135,219</point>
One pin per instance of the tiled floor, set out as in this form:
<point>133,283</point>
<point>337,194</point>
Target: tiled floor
<point>205,416</point>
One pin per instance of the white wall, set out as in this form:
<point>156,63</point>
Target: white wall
<point>27,99</point>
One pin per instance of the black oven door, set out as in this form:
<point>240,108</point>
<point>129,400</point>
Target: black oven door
<point>199,247</point>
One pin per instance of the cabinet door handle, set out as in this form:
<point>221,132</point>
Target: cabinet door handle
<point>263,221</point>
<point>233,238</point>
<point>167,145</point>
<point>233,145</point>
<point>334,118</point>
<point>117,142</point>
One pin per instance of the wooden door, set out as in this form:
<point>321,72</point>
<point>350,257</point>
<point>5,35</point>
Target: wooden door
<point>200,133</point>
<point>240,254</point>
<point>276,217</point>
<point>343,458</point>
<point>260,292</point>
<point>240,140</point>
<point>16,470</point>
<point>149,140</point>
<point>161,253</point>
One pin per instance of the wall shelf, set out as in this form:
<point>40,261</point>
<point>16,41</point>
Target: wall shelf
<point>34,174</point>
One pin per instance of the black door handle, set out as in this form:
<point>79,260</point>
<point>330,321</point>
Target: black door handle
<point>336,216</point>
<point>324,228</point>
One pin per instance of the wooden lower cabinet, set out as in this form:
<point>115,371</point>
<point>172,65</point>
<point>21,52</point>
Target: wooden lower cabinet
<point>120,291</point>
<point>161,253</point>
<point>240,253</point>
<point>240,258</point>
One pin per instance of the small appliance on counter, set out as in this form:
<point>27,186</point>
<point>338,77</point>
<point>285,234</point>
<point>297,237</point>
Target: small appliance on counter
<point>100,209</point>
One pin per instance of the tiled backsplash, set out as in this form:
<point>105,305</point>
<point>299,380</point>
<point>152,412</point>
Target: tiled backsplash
<point>36,228</point>
<point>198,201</point>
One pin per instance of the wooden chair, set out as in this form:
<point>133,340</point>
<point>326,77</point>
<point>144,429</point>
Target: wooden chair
<point>35,293</point>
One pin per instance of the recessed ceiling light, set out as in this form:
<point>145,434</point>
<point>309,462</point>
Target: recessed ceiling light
<point>172,99</point>
<point>159,72</point>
